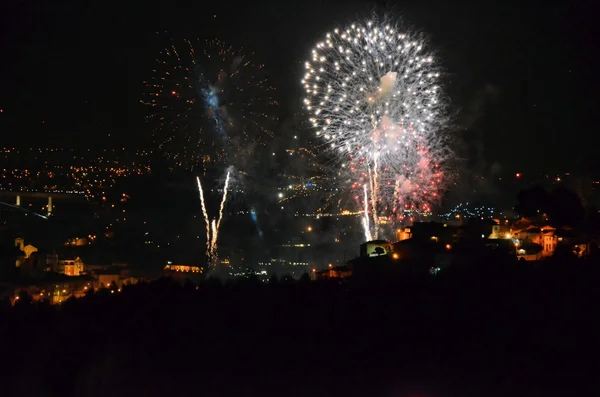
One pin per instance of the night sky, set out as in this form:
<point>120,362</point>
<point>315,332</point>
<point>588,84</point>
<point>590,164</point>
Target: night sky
<point>519,77</point>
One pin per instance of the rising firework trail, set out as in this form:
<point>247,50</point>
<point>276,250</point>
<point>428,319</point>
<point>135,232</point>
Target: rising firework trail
<point>374,98</point>
<point>205,216</point>
<point>217,222</point>
<point>365,220</point>
<point>212,226</point>
<point>210,106</point>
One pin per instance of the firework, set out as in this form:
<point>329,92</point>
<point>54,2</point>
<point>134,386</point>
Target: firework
<point>212,227</point>
<point>375,100</point>
<point>208,103</point>
<point>210,106</point>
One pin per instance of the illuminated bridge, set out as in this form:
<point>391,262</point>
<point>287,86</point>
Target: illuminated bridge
<point>20,197</point>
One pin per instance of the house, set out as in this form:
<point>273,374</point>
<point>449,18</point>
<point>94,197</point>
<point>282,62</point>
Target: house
<point>531,234</point>
<point>403,234</point>
<point>581,249</point>
<point>500,230</point>
<point>529,251</point>
<point>555,237</point>
<point>375,248</point>
<point>117,274</point>
<point>69,266</point>
<point>73,267</point>
<point>334,273</point>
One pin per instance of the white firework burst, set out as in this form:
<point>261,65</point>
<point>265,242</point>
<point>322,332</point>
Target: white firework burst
<point>374,97</point>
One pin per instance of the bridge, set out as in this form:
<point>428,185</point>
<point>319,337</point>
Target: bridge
<point>49,196</point>
<point>26,211</point>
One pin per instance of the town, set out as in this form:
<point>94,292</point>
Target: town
<point>292,199</point>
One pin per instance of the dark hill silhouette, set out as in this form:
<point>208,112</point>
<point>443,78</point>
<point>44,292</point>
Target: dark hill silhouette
<point>492,332</point>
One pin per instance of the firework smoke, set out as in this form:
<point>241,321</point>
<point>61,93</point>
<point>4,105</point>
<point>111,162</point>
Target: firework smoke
<point>212,226</point>
<point>374,98</point>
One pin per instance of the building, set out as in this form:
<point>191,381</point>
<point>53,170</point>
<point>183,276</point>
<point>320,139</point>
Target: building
<point>182,272</point>
<point>375,248</point>
<point>334,273</point>
<point>70,266</point>
<point>531,234</point>
<point>403,234</point>
<point>549,242</point>
<point>76,242</point>
<point>54,288</point>
<point>117,274</point>
<point>500,230</point>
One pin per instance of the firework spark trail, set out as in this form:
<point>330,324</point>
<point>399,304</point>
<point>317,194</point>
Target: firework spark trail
<point>212,226</point>
<point>213,243</point>
<point>373,173</point>
<point>374,98</point>
<point>365,221</point>
<point>217,223</point>
<point>205,215</point>
<point>222,206</point>
<point>370,199</point>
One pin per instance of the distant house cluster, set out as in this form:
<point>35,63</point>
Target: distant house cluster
<point>55,278</point>
<point>434,246</point>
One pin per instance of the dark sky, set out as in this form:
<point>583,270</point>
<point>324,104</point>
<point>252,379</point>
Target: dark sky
<point>520,75</point>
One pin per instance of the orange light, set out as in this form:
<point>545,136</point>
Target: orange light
<point>448,246</point>
<point>395,255</point>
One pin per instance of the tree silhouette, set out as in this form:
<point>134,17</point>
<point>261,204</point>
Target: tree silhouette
<point>379,251</point>
<point>24,298</point>
<point>565,208</point>
<point>592,221</point>
<point>234,332</point>
<point>305,278</point>
<point>532,200</point>
<point>562,205</point>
